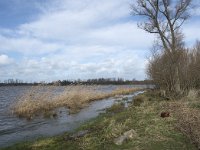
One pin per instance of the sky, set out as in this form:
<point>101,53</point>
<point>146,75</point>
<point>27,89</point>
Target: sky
<point>47,40</point>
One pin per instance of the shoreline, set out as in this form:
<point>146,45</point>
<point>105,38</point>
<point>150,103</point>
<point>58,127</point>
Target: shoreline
<point>33,102</point>
<point>142,116</point>
<point>64,121</point>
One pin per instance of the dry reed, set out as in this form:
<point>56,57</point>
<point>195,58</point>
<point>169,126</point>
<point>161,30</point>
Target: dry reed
<point>43,99</point>
<point>188,119</point>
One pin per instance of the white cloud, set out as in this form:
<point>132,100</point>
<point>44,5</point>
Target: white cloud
<point>5,60</point>
<point>191,32</point>
<point>195,9</point>
<point>54,68</point>
<point>123,34</point>
<point>76,24</point>
<point>79,24</point>
<point>27,46</point>
<point>79,39</point>
<point>75,18</point>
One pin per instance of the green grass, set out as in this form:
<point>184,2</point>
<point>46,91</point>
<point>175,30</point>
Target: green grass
<point>153,132</point>
<point>195,105</point>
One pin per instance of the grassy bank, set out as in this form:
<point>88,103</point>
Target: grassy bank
<point>42,99</point>
<point>180,131</point>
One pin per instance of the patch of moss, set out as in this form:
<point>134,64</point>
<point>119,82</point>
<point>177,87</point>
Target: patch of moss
<point>196,105</point>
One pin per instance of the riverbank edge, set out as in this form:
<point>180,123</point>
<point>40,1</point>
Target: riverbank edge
<point>33,103</point>
<point>142,116</point>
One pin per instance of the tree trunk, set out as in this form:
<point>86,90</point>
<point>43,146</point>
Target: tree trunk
<point>177,86</point>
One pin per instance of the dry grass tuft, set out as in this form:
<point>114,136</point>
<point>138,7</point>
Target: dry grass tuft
<point>42,99</point>
<point>192,94</point>
<point>38,99</point>
<point>187,120</point>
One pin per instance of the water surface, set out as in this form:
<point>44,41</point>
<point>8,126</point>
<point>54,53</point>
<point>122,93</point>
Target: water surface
<point>14,129</point>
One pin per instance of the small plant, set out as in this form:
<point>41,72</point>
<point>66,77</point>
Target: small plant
<point>118,107</point>
<point>192,94</point>
<point>138,100</point>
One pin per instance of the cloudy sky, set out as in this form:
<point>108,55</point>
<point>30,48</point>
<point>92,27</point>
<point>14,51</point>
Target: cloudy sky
<point>70,39</point>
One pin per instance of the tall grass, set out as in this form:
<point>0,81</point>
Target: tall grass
<point>187,119</point>
<point>43,99</point>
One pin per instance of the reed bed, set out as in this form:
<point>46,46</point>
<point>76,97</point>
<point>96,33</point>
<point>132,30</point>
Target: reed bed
<point>43,99</point>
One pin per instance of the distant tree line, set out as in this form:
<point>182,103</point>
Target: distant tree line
<point>99,81</point>
<point>17,82</point>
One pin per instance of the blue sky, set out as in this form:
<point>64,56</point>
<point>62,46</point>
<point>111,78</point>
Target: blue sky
<point>70,39</point>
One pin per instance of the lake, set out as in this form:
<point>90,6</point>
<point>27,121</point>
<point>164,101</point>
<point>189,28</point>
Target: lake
<point>14,129</point>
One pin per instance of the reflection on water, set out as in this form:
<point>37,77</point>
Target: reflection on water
<point>13,129</point>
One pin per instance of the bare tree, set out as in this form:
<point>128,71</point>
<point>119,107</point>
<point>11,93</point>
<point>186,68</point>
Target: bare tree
<point>165,18</point>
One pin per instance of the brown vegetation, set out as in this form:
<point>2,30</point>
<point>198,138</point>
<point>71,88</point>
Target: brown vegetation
<point>187,119</point>
<point>185,112</point>
<point>43,99</point>
<point>188,65</point>
<point>172,67</point>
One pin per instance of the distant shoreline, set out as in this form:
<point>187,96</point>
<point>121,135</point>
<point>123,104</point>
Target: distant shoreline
<point>4,85</point>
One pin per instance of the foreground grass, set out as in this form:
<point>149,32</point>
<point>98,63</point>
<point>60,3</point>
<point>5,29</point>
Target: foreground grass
<point>41,100</point>
<point>143,116</point>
